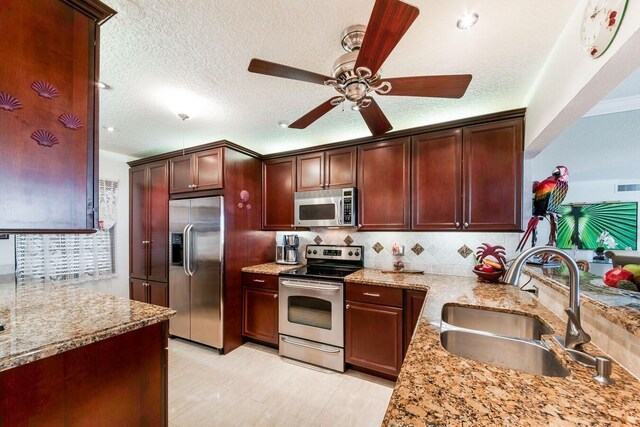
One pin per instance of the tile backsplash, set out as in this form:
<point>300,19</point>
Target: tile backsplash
<point>433,252</point>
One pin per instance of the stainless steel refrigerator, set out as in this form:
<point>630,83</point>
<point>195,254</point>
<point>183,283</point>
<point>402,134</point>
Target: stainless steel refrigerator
<point>196,248</point>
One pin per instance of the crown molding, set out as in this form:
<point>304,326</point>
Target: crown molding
<point>616,105</point>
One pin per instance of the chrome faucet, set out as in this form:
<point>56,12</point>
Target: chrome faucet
<point>575,336</point>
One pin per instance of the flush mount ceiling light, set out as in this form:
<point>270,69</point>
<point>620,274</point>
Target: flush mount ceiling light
<point>467,21</point>
<point>103,85</point>
<point>283,124</point>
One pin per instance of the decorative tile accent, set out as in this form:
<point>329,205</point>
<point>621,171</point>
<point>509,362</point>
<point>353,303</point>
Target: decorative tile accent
<point>417,249</point>
<point>378,247</point>
<point>348,240</point>
<point>318,240</point>
<point>465,251</point>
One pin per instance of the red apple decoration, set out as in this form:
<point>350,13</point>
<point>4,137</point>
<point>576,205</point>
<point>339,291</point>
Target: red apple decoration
<point>487,269</point>
<point>612,277</point>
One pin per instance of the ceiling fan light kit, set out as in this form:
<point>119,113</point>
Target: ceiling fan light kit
<point>356,74</point>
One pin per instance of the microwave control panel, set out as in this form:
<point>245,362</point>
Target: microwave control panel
<point>347,207</point>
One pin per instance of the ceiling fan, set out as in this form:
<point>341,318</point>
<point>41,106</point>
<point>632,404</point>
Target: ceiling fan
<point>356,74</point>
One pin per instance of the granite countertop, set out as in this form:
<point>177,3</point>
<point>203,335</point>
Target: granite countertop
<point>270,268</point>
<point>44,320</point>
<point>436,387</point>
<point>616,305</point>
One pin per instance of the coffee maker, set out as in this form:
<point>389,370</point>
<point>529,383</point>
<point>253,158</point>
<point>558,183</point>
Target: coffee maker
<point>288,252</point>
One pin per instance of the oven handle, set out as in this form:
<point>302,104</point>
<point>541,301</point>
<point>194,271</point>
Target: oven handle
<point>303,285</point>
<point>309,346</point>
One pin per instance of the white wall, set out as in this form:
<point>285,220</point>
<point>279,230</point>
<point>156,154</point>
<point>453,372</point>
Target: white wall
<point>571,82</point>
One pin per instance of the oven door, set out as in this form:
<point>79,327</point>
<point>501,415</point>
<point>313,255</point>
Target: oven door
<point>318,209</point>
<point>312,310</point>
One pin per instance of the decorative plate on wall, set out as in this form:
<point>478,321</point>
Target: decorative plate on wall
<point>600,24</point>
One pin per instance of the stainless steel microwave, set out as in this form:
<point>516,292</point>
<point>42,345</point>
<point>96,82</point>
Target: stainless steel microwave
<point>326,208</point>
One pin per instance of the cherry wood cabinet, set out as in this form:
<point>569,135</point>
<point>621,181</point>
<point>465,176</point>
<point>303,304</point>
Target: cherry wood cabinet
<point>48,118</point>
<point>492,176</point>
<point>196,172</point>
<point>327,169</point>
<point>260,307</point>
<point>149,222</point>
<point>436,181</point>
<point>156,293</point>
<point>384,198</point>
<point>118,381</point>
<point>413,302</point>
<point>278,187</point>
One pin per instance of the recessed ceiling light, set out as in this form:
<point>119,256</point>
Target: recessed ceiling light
<point>103,85</point>
<point>467,21</point>
<point>110,129</point>
<point>283,124</point>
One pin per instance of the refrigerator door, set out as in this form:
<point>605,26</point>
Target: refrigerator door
<point>179,280</point>
<point>206,266</point>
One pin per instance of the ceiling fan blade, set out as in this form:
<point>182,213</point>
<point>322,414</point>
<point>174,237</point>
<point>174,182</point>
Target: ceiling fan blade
<point>278,70</point>
<point>390,19</point>
<point>316,113</point>
<point>451,86</point>
<point>375,119</point>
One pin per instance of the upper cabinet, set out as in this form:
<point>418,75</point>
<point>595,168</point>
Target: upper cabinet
<point>384,198</point>
<point>48,114</point>
<point>278,187</point>
<point>492,176</point>
<point>197,171</point>
<point>327,169</point>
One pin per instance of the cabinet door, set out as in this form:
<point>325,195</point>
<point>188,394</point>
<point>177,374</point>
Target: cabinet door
<point>279,183</point>
<point>437,181</point>
<point>373,337</point>
<point>158,293</point>
<point>181,174</point>
<point>340,168</point>
<point>310,169</point>
<point>207,169</point>
<point>413,301</point>
<point>158,246</point>
<point>138,290</point>
<point>138,222</point>
<point>384,185</point>
<point>260,314</point>
<point>493,176</point>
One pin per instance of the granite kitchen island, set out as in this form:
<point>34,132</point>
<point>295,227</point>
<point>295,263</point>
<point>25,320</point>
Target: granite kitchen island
<point>69,356</point>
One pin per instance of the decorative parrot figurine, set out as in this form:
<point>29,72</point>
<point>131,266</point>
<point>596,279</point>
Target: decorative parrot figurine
<point>547,198</point>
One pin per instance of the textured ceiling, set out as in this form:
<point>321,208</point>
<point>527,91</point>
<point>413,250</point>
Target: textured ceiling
<point>157,50</point>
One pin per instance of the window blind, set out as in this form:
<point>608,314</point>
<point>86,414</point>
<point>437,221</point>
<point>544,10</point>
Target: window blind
<point>71,258</point>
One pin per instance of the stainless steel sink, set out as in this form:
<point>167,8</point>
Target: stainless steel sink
<point>495,322</point>
<point>528,356</point>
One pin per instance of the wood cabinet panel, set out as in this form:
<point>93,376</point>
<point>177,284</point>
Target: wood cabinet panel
<point>208,169</point>
<point>158,293</point>
<point>279,183</point>
<point>158,212</point>
<point>265,281</point>
<point>181,174</point>
<point>437,181</point>
<point>310,168</point>
<point>373,338</point>
<point>413,301</point>
<point>374,294</point>
<point>384,185</point>
<point>138,220</point>
<point>138,290</point>
<point>341,167</point>
<point>493,156</point>
<point>48,171</point>
<point>260,314</point>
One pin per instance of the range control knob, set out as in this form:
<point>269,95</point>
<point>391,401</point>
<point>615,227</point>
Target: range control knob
<point>357,253</point>
<point>309,251</point>
<point>315,252</point>
<point>350,253</point>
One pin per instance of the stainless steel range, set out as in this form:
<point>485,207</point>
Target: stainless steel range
<point>312,305</point>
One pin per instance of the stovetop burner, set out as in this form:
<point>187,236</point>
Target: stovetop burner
<point>329,262</point>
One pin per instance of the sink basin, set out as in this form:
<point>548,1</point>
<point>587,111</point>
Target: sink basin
<point>505,352</point>
<point>495,322</point>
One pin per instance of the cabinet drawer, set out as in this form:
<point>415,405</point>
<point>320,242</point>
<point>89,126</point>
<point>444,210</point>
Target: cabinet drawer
<point>374,294</point>
<point>266,281</point>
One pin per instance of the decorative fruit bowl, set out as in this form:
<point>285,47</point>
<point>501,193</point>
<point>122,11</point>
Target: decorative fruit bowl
<point>493,276</point>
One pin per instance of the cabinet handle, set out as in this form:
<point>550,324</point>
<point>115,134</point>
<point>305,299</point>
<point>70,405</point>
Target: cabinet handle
<point>370,294</point>
<point>466,225</point>
<point>348,306</point>
<point>293,227</point>
<point>258,280</point>
<point>359,226</point>
<point>457,224</point>
<point>275,296</point>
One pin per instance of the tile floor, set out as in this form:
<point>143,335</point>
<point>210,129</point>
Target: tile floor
<point>253,386</point>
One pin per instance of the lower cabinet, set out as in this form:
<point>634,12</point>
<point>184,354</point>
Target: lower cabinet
<point>156,293</point>
<point>413,301</point>
<point>260,307</point>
